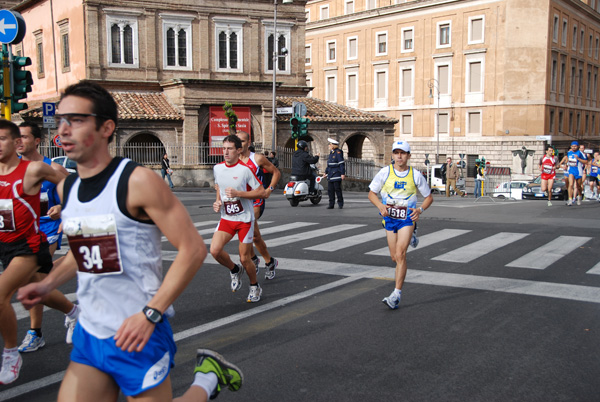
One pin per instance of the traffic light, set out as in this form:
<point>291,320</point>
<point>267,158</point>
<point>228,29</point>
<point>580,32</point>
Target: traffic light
<point>22,82</point>
<point>295,124</point>
<point>303,132</point>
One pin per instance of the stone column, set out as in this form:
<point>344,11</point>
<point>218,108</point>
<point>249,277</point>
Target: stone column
<point>94,41</point>
<point>190,134</point>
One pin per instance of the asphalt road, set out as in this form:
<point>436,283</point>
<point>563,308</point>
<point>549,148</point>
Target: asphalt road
<point>501,302</point>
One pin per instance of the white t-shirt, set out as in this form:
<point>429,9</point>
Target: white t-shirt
<point>241,178</point>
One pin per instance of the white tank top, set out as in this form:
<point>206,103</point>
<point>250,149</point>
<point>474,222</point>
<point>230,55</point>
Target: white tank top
<point>119,259</point>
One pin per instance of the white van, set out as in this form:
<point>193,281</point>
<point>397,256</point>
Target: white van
<point>438,182</point>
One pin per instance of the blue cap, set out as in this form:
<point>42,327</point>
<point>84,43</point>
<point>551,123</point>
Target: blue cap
<point>574,143</point>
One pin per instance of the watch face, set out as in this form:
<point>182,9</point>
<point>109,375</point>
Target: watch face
<point>152,315</point>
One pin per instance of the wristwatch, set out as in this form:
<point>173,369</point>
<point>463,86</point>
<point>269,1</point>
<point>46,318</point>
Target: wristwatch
<point>271,188</point>
<point>152,315</point>
<point>421,208</point>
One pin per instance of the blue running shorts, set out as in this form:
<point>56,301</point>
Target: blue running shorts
<point>394,225</point>
<point>134,372</point>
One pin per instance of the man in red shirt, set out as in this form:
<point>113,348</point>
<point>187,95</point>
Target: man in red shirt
<point>23,247</point>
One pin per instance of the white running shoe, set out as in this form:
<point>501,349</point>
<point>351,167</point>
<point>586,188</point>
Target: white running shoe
<point>11,366</point>
<point>270,269</point>
<point>31,342</point>
<point>549,204</point>
<point>236,279</point>
<point>569,203</point>
<point>70,325</point>
<point>255,293</point>
<point>392,301</point>
<point>578,200</point>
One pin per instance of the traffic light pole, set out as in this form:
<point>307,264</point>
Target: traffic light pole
<point>6,75</point>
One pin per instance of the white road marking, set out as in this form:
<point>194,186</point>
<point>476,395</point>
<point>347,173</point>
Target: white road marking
<point>548,254</point>
<point>309,235</point>
<point>424,241</point>
<point>481,247</point>
<point>346,242</point>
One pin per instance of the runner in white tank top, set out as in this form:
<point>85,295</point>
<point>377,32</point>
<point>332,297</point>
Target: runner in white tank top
<point>114,214</point>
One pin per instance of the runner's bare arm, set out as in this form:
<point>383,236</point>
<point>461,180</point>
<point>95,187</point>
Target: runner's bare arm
<point>60,168</point>
<point>264,163</point>
<point>374,198</point>
<point>65,269</point>
<point>218,203</point>
<point>36,173</point>
<point>149,197</point>
<point>259,192</point>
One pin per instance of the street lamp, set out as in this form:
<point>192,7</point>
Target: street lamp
<point>433,83</point>
<point>276,56</point>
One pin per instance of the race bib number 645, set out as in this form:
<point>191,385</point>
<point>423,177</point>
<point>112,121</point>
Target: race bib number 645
<point>94,243</point>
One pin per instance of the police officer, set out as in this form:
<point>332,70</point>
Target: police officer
<point>335,173</point>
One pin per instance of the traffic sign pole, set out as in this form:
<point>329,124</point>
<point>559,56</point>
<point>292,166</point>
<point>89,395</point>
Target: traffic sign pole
<point>6,75</point>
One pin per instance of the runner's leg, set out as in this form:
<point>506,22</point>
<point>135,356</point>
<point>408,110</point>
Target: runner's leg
<point>402,241</point>
<point>219,240</point>
<point>83,383</point>
<point>18,272</point>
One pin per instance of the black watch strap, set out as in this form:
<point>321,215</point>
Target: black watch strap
<point>152,315</point>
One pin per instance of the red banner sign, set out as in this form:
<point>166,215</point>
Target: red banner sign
<point>219,126</point>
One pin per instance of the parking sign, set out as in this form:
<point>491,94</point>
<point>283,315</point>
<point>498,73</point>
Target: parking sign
<point>49,109</point>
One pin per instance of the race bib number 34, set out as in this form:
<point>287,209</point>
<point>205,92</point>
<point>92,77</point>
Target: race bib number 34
<point>94,243</point>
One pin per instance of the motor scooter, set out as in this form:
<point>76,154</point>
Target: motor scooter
<point>297,190</point>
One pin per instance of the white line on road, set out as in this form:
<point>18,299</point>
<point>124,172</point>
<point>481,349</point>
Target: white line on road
<point>346,242</point>
<point>425,240</point>
<point>479,248</point>
<point>543,257</point>
<point>274,229</point>
<point>309,235</point>
<point>595,270</point>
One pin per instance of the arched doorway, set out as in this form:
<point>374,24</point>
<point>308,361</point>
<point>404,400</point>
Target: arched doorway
<point>359,146</point>
<point>145,149</point>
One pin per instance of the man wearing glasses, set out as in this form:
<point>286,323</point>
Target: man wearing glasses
<point>113,214</point>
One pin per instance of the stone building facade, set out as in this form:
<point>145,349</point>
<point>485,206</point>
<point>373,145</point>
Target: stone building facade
<point>472,77</point>
<point>194,55</point>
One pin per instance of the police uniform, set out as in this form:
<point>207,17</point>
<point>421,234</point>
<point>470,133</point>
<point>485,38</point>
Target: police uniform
<point>336,167</point>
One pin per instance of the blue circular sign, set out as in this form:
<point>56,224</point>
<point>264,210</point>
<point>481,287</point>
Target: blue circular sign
<point>12,27</point>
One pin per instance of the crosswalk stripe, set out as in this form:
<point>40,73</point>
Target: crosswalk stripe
<point>425,240</point>
<point>478,249</point>
<point>273,229</point>
<point>595,270</point>
<point>544,256</point>
<point>346,242</point>
<point>309,235</point>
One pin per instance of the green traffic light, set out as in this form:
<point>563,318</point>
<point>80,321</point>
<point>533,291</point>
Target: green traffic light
<point>22,82</point>
<point>295,126</point>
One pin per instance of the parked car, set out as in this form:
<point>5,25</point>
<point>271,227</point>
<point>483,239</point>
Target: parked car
<point>533,190</point>
<point>67,163</point>
<point>510,189</point>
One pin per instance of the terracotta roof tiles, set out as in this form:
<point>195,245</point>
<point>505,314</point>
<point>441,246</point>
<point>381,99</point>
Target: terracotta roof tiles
<point>322,111</point>
<point>131,106</point>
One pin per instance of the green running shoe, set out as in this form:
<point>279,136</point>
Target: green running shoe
<point>229,375</point>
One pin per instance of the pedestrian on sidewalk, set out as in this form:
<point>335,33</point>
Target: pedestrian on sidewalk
<point>451,176</point>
